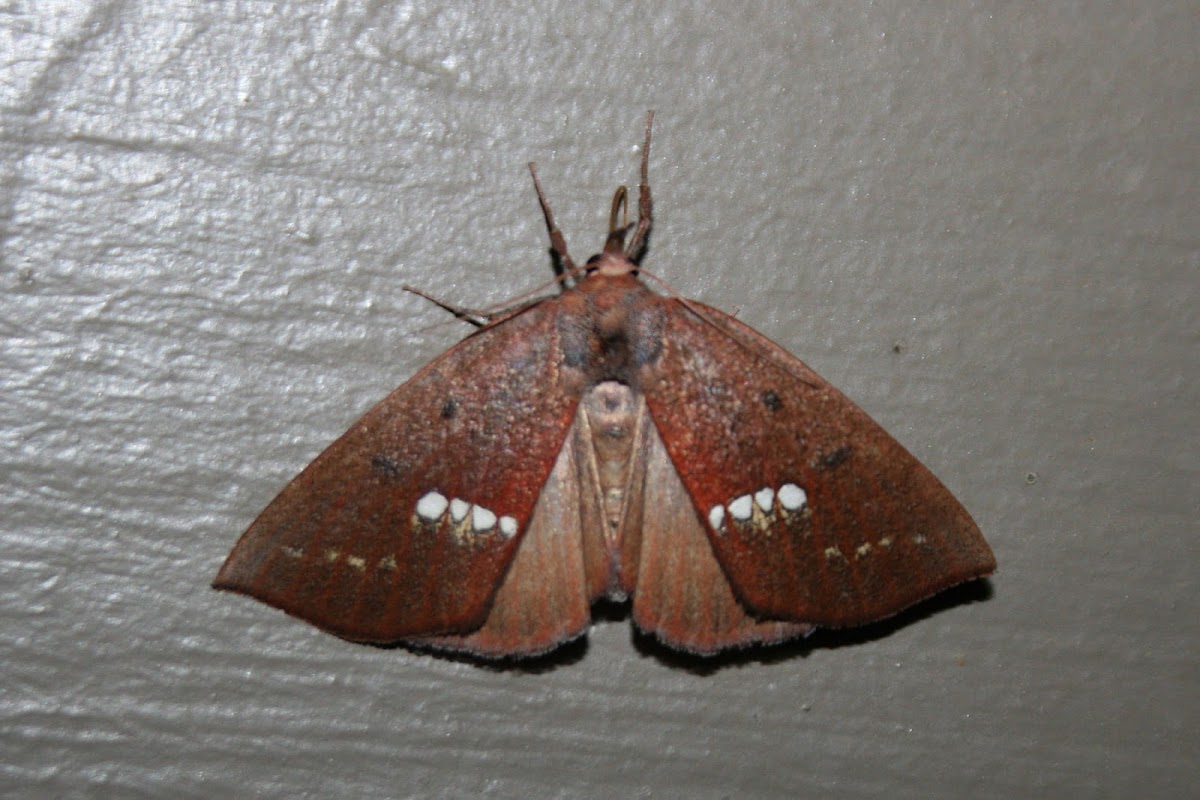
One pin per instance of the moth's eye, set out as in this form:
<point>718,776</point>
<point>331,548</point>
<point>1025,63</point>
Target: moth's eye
<point>591,262</point>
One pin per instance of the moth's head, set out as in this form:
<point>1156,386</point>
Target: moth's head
<point>613,260</point>
<point>616,260</point>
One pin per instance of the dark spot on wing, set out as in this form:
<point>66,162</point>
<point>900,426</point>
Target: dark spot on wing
<point>834,459</point>
<point>771,400</point>
<point>385,465</point>
<point>450,409</point>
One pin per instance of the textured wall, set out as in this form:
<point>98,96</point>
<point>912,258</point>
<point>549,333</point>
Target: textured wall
<point>207,212</point>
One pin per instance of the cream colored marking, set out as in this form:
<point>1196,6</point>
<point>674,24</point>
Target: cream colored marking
<point>862,550</point>
<point>742,508</point>
<point>792,497</point>
<point>332,555</point>
<point>459,509</point>
<point>716,517</point>
<point>481,519</point>
<point>388,563</point>
<point>508,527</point>
<point>358,562</point>
<point>885,542</point>
<point>292,552</point>
<point>765,499</point>
<point>832,552</point>
<point>919,539</point>
<point>432,506</point>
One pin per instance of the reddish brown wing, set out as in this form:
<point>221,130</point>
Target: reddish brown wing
<point>682,597</point>
<point>351,546</point>
<point>543,600</point>
<point>815,513</point>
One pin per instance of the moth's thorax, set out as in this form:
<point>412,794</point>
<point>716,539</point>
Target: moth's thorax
<point>612,328</point>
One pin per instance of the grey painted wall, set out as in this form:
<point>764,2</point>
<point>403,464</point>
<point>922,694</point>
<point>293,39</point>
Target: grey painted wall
<point>208,211</point>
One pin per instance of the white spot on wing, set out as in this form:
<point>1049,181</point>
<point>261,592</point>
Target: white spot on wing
<point>742,508</point>
<point>482,519</point>
<point>459,509</point>
<point>432,506</point>
<point>508,526</point>
<point>792,497</point>
<point>358,562</point>
<point>716,517</point>
<point>765,499</point>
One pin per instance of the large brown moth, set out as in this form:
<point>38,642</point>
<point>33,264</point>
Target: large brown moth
<point>607,442</point>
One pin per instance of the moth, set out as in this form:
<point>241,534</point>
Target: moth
<point>607,442</point>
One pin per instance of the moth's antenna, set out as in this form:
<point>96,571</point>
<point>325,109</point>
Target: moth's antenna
<point>557,242</point>
<point>637,245</point>
<point>474,316</point>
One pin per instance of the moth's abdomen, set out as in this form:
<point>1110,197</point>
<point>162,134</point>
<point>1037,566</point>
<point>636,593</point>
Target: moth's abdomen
<point>612,419</point>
